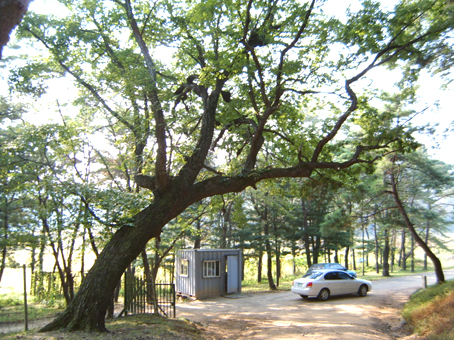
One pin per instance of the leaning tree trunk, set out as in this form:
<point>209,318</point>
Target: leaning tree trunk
<point>87,310</point>
<point>436,262</point>
<point>427,241</point>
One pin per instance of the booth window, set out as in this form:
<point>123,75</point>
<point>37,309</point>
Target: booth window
<point>183,267</point>
<point>211,268</point>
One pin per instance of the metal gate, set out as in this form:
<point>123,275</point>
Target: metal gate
<point>144,297</point>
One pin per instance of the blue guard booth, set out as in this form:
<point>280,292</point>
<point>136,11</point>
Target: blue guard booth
<point>202,273</point>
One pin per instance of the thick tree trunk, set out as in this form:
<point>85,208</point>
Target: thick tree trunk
<point>436,262</point>
<point>11,13</point>
<point>347,249</point>
<point>87,310</point>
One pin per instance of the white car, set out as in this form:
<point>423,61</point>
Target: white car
<point>325,283</point>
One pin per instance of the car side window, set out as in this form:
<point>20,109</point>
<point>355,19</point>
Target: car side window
<point>344,276</point>
<point>331,276</point>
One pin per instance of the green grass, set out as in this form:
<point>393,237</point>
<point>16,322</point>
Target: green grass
<point>430,312</point>
<point>12,309</point>
<point>371,275</point>
<point>251,286</point>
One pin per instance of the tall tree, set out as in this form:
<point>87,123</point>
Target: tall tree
<point>248,75</point>
<point>433,177</point>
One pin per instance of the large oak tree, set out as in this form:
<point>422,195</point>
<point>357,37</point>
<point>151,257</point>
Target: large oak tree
<point>217,96</point>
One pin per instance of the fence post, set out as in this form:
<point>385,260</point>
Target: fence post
<point>424,281</point>
<point>174,300</point>
<point>25,298</point>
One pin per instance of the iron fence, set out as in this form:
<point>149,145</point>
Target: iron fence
<point>142,296</point>
<point>18,314</point>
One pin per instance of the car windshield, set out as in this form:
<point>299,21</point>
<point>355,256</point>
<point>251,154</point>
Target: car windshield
<point>313,275</point>
<point>327,266</point>
<point>337,266</point>
<point>317,266</point>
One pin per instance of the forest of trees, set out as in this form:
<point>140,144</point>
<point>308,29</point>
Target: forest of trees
<point>220,124</point>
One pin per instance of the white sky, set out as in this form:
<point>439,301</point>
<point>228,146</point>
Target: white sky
<point>430,87</point>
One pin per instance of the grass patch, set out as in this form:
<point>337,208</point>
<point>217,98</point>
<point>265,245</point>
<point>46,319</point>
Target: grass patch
<point>16,313</point>
<point>143,326</point>
<point>430,312</point>
<point>372,275</point>
<point>12,309</point>
<point>251,286</point>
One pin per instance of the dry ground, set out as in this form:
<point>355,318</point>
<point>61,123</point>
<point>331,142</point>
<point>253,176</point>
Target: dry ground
<point>275,315</point>
<point>285,316</point>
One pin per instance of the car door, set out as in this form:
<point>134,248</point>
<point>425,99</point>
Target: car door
<point>333,283</point>
<point>348,284</point>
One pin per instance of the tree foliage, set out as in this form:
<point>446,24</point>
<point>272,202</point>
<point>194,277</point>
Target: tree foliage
<point>212,97</point>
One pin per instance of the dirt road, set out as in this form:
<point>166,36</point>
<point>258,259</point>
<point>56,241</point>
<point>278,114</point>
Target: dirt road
<point>285,316</point>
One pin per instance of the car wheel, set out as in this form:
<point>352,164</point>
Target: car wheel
<point>362,290</point>
<point>303,296</point>
<point>323,295</point>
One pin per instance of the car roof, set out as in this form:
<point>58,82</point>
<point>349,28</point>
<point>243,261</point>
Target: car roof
<point>329,265</point>
<point>324,271</point>
<point>325,263</point>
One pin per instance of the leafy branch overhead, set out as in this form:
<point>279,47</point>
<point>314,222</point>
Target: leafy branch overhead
<point>270,61</point>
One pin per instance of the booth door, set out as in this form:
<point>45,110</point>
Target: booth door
<point>232,274</point>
